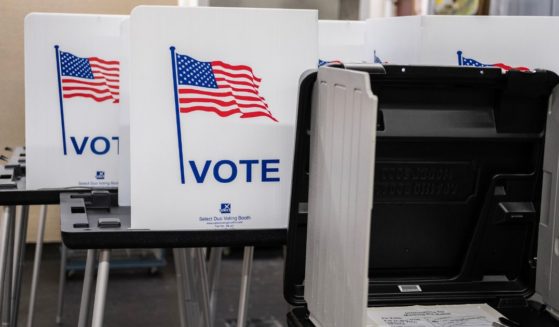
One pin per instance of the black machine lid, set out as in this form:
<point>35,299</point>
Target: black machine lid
<point>458,168</point>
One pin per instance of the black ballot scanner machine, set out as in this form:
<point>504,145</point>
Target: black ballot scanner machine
<point>460,167</point>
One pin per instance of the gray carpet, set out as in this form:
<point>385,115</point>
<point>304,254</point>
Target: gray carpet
<point>136,298</point>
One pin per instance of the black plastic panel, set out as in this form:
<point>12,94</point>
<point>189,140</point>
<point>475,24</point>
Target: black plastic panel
<point>457,184</point>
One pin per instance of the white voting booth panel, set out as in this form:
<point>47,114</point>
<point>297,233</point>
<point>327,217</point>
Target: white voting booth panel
<point>343,41</point>
<point>519,42</point>
<point>124,127</point>
<point>72,100</point>
<point>342,158</point>
<point>212,114</point>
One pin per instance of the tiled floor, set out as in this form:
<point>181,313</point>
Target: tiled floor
<point>136,298</point>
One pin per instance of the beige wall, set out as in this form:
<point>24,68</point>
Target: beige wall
<point>327,9</point>
<point>12,13</point>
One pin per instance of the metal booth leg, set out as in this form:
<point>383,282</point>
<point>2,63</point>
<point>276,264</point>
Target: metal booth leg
<point>179,271</point>
<point>5,226</point>
<point>193,287</point>
<point>19,255</point>
<point>37,264</point>
<point>101,288</point>
<point>7,267</point>
<point>61,283</point>
<point>214,271</point>
<point>191,291</point>
<point>203,285</point>
<point>245,285</point>
<point>86,290</point>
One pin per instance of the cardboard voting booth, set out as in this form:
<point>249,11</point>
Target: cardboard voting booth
<point>72,100</point>
<point>212,114</point>
<point>343,41</point>
<point>480,41</point>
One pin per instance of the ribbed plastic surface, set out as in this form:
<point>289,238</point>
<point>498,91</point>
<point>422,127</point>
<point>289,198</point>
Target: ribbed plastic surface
<point>343,133</point>
<point>547,279</point>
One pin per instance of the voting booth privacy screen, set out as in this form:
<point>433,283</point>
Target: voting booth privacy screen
<point>343,41</point>
<point>523,43</point>
<point>212,116</point>
<point>72,100</point>
<point>124,118</point>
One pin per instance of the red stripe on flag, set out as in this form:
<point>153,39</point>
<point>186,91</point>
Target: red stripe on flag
<point>104,67</point>
<point>217,71</point>
<point>258,114</point>
<point>104,74</point>
<point>106,62</point>
<point>69,80</point>
<point>235,82</point>
<point>225,89</point>
<point>507,67</point>
<point>86,95</point>
<point>223,94</point>
<point>221,113</point>
<point>196,91</point>
<point>221,103</point>
<point>236,89</point>
<point>235,67</point>
<point>73,88</point>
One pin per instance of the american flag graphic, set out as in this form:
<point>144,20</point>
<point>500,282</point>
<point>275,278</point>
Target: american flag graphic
<point>325,62</point>
<point>91,77</point>
<point>220,88</point>
<point>463,61</point>
<point>376,59</point>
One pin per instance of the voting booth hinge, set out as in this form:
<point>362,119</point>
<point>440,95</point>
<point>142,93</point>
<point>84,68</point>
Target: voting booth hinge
<point>547,273</point>
<point>342,157</point>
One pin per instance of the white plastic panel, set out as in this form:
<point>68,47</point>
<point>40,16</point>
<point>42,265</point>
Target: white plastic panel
<point>71,115</point>
<point>343,133</point>
<point>547,278</point>
<point>224,160</point>
<point>124,127</point>
<point>343,40</point>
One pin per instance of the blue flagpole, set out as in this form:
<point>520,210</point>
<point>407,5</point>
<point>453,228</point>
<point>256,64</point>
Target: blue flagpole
<point>177,111</point>
<point>459,53</point>
<point>60,99</point>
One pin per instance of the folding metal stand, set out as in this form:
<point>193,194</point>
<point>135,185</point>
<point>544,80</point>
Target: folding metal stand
<point>37,264</point>
<point>245,285</point>
<point>13,228</point>
<point>85,225</point>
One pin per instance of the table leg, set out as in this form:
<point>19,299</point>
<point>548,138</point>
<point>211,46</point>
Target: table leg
<point>7,280</point>
<point>37,264</point>
<point>179,271</point>
<point>5,226</point>
<point>203,286</point>
<point>101,288</point>
<point>61,283</point>
<point>245,286</point>
<point>19,255</point>
<point>214,271</point>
